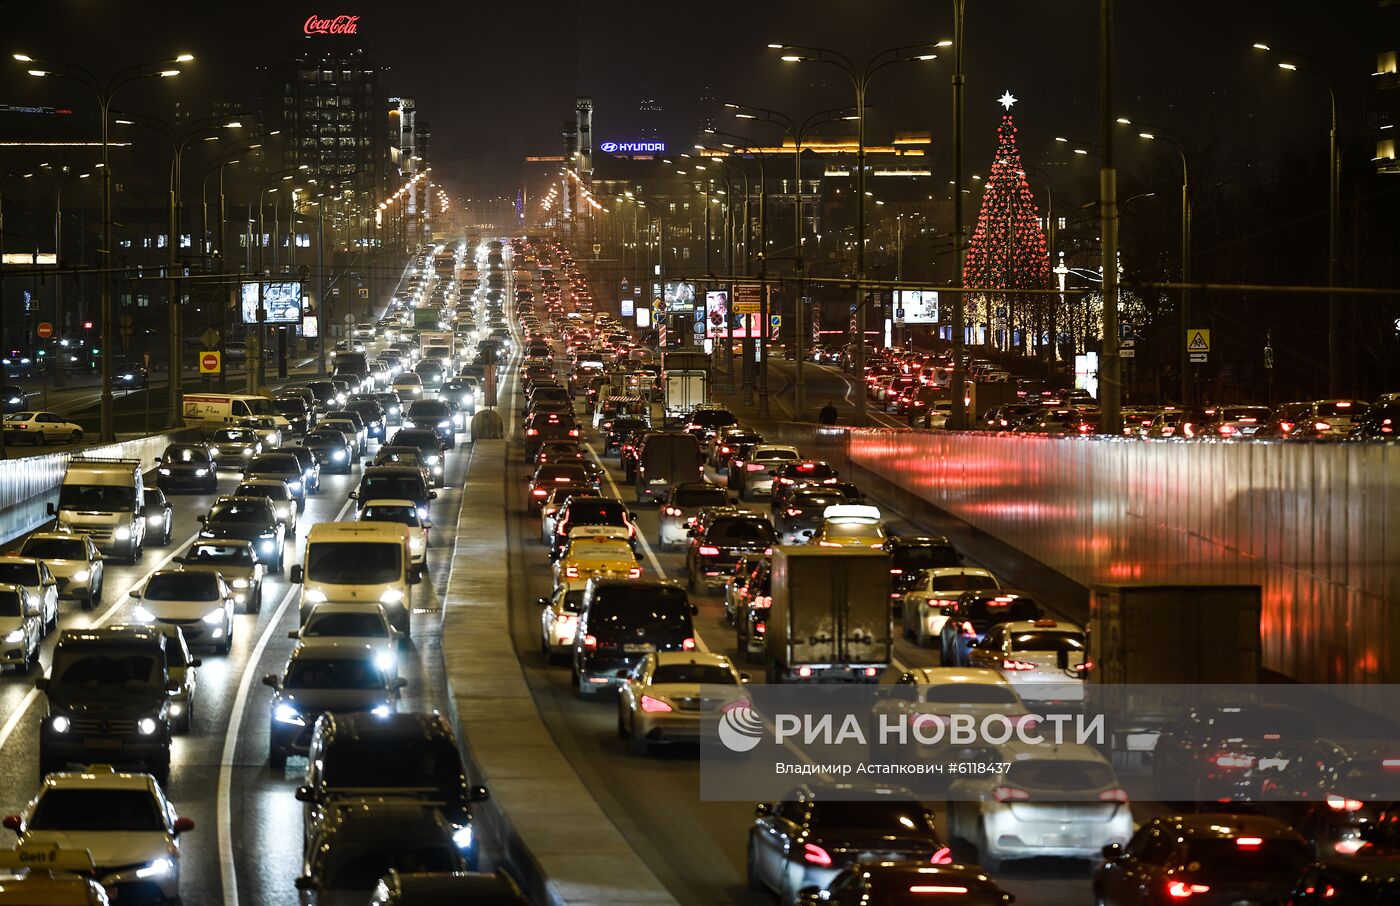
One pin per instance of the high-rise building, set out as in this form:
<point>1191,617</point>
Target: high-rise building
<point>1384,106</point>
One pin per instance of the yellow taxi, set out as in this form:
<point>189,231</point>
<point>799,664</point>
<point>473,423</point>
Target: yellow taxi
<point>604,556</point>
<point>45,875</point>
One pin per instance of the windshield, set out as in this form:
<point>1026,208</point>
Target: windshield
<point>182,586</point>
<point>270,491</point>
<point>11,604</point>
<point>55,549</point>
<point>1261,723</point>
<point>693,673</point>
<point>390,486</point>
<point>99,498</point>
<point>380,512</point>
<point>333,673</point>
<point>694,497</point>
<point>969,694</point>
<point>89,809</point>
<point>275,465</point>
<point>186,454</point>
<point>1048,641</point>
<point>772,455</point>
<point>597,512</point>
<point>252,511</point>
<point>740,531</point>
<point>360,623</point>
<point>354,563</point>
<point>360,868</point>
<point>260,406</point>
<point>1226,860</point>
<point>234,435</point>
<point>408,457</point>
<point>901,818</point>
<point>962,582</point>
<point>915,557</point>
<point>621,607</point>
<point>817,501</point>
<point>1062,776</point>
<point>394,762</point>
<point>713,418</point>
<point>222,554</point>
<point>428,409</point>
<point>999,611</point>
<point>19,573</point>
<point>112,669</point>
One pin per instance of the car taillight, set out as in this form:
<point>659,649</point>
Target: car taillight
<point>688,643</point>
<point>804,671</point>
<point>1010,794</point>
<point>590,642</point>
<point>573,432</point>
<point>1285,427</point>
<point>814,854</point>
<point>724,449</point>
<point>571,572</point>
<point>1232,760</point>
<point>1085,428</point>
<point>672,511</point>
<point>654,705</point>
<point>707,550</point>
<point>1249,842</point>
<point>1014,664</point>
<point>634,572</point>
<point>871,671</point>
<point>896,572</point>
<point>1343,804</point>
<point>539,492</point>
<point>1321,426</point>
<point>531,432</point>
<point>754,466</point>
<point>760,628</point>
<point>1113,796</point>
<point>790,512</point>
<point>1181,890</point>
<point>942,856</point>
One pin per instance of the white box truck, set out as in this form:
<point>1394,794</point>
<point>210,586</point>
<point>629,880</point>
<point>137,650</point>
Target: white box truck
<point>104,498</point>
<point>830,617</point>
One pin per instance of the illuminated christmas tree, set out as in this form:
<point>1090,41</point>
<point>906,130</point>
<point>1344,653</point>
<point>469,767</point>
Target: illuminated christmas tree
<point>1007,247</point>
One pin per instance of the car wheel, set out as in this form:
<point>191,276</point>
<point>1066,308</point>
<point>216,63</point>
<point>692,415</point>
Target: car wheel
<point>755,883</point>
<point>227,644</point>
<point>31,661</point>
<point>168,519</point>
<point>637,743</point>
<point>76,437</point>
<point>622,731</point>
<point>161,772</point>
<point>985,858</point>
<point>39,439</point>
<point>187,719</point>
<point>94,597</point>
<point>257,601</point>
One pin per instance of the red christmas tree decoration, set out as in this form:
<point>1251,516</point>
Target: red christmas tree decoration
<point>1007,247</point>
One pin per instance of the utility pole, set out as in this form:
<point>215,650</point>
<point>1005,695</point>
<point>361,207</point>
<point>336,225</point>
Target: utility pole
<point>1110,388</point>
<point>958,414</point>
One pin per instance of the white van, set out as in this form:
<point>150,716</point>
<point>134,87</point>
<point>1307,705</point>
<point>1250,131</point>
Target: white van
<point>104,498</point>
<point>359,563</point>
<point>213,411</point>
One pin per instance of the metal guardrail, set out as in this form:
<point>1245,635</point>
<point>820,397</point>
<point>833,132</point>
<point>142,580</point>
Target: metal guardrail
<point>1317,526</point>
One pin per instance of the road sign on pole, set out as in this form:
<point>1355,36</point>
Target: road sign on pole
<point>44,330</point>
<point>209,361</point>
<point>1198,340</point>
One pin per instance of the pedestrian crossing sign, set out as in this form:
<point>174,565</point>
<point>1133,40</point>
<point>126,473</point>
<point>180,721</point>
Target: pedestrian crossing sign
<point>1198,340</point>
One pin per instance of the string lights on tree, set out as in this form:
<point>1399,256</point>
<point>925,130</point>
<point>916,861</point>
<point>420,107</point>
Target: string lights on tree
<point>1007,246</point>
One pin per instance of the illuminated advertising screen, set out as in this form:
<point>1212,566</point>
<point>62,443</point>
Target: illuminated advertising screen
<point>916,306</point>
<point>281,300</point>
<point>680,296</point>
<point>716,313</point>
<point>628,306</point>
<point>644,318</point>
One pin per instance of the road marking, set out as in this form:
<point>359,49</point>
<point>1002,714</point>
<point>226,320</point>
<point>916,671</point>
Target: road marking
<point>228,872</point>
<point>33,694</point>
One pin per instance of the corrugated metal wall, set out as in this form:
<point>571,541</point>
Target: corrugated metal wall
<point>1316,525</point>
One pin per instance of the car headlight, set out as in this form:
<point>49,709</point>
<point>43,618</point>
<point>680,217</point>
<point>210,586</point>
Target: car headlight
<point>14,637</point>
<point>240,583</point>
<point>81,575</point>
<point>152,520</point>
<point>339,455</point>
<point>214,617</point>
<point>433,459</point>
<point>381,710</point>
<point>385,661</point>
<point>122,533</point>
<point>143,615</point>
<point>463,837</point>
<point>294,485</point>
<point>417,545</point>
<point>162,471</point>
<point>393,410</point>
<point>445,423</point>
<point>247,451</point>
<point>315,596</point>
<point>267,546</point>
<point>60,724</point>
<point>391,596</point>
<point>286,714</point>
<point>200,473</point>
<point>147,726</point>
<point>157,869</point>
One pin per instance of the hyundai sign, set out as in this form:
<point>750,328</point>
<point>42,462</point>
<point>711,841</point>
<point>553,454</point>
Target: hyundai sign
<point>633,147</point>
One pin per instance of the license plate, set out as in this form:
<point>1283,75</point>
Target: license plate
<point>1062,840</point>
<point>639,648</point>
<point>102,743</point>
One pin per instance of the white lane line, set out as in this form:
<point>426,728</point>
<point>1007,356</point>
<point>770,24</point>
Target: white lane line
<point>228,872</point>
<point>33,694</point>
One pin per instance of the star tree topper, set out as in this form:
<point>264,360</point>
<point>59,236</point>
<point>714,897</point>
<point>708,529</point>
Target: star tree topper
<point>1006,99</point>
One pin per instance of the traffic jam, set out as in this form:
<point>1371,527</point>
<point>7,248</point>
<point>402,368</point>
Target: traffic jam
<point>675,549</point>
<point>232,647</point>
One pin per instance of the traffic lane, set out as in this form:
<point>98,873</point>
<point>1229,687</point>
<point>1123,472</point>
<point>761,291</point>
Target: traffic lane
<point>1049,881</point>
<point>22,704</point>
<point>695,848</point>
<point>267,819</point>
<point>825,383</point>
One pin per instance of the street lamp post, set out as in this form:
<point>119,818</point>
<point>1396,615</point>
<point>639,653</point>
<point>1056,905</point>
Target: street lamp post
<point>105,91</point>
<point>257,376</point>
<point>59,313</point>
<point>860,81</point>
<point>957,417</point>
<point>1321,71</point>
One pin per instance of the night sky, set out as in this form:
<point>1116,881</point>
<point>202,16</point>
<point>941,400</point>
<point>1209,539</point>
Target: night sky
<point>496,80</point>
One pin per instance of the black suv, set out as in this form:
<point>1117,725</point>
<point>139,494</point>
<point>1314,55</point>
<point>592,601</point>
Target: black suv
<point>719,537</point>
<point>108,702</point>
<point>800,516</point>
<point>282,465</point>
<point>251,519</point>
<point>623,620</point>
<point>393,483</point>
<point>912,554</point>
<point>371,412</point>
<point>188,466</point>
<point>975,613</point>
<point>407,755</point>
<point>433,415</point>
<point>704,421</point>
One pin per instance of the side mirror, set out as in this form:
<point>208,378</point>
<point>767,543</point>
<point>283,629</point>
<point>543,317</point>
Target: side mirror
<point>202,519</point>
<point>353,495</point>
<point>13,823</point>
<point>296,574</point>
<point>807,533</point>
<point>41,683</point>
<point>195,662</point>
<point>294,634</point>
<point>694,609</point>
<point>1113,852</point>
<point>745,678</point>
<point>182,825</point>
<point>133,593</point>
<point>542,602</point>
<point>306,794</point>
<point>305,883</point>
<point>479,794</point>
<point>52,510</point>
<point>400,682</point>
<point>432,495</point>
<point>179,560</point>
<point>271,681</point>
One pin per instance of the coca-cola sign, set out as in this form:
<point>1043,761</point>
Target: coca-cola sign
<point>337,25</point>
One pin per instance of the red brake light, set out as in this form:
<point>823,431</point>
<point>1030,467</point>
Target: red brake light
<point>1342,804</point>
<point>707,550</point>
<point>688,643</point>
<point>573,432</point>
<point>1249,842</point>
<point>654,705</point>
<point>724,449</point>
<point>539,492</point>
<point>1181,890</point>
<point>760,627</point>
<point>634,572</point>
<point>571,572</point>
<point>1321,426</point>
<point>814,854</point>
<point>804,671</point>
<point>1114,796</point>
<point>942,856</point>
<point>754,466</point>
<point>1014,664</point>
<point>1010,793</point>
<point>531,432</point>
<point>590,642</point>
